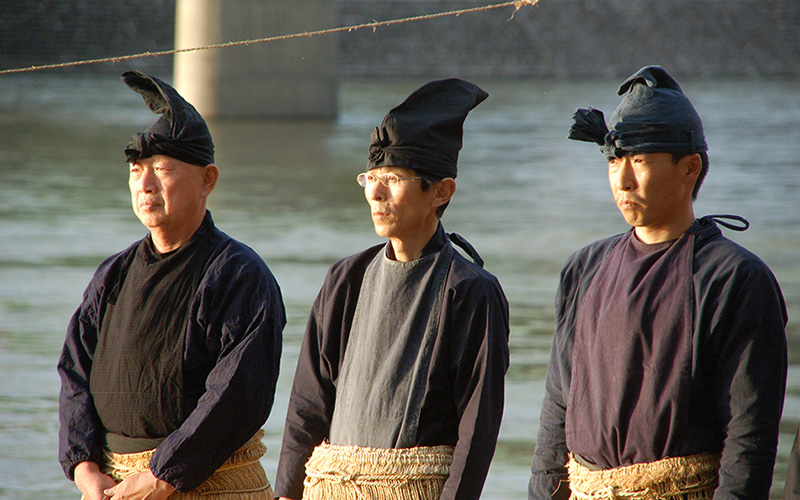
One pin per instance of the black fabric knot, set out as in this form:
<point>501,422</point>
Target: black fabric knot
<point>612,145</point>
<point>376,148</point>
<point>144,145</point>
<point>589,126</point>
<point>612,138</point>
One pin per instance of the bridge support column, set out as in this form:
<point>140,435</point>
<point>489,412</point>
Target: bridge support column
<point>294,78</point>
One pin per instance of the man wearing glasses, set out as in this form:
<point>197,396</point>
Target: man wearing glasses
<point>399,382</point>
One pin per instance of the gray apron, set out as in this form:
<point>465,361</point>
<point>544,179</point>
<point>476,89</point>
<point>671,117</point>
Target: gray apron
<point>385,367</point>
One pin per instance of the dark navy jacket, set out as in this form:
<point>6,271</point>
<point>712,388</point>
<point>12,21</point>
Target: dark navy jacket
<point>233,338</point>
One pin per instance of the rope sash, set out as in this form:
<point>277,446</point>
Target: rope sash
<point>355,472</point>
<point>685,478</point>
<point>241,477</point>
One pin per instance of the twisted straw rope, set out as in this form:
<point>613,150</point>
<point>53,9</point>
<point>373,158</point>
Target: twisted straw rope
<point>691,477</point>
<point>353,472</point>
<point>306,34</point>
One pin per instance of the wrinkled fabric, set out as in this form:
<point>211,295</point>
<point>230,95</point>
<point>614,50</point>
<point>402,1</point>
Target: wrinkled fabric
<point>424,133</point>
<point>180,132</point>
<point>632,354</point>
<point>463,401</point>
<point>231,358</point>
<point>737,374</point>
<point>385,368</point>
<point>137,374</point>
<point>653,116</point>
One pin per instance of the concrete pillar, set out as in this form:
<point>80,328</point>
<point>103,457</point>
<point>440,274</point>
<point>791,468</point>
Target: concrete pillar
<point>286,79</point>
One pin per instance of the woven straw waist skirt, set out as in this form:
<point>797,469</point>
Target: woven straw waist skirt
<point>241,477</point>
<point>354,472</point>
<point>682,478</point>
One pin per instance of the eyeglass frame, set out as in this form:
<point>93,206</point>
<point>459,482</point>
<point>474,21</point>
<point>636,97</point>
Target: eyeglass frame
<point>383,179</point>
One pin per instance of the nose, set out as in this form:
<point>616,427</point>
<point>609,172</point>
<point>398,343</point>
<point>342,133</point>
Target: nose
<point>146,182</point>
<point>622,177</point>
<point>375,191</point>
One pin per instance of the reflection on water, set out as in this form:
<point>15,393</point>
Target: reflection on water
<point>526,199</point>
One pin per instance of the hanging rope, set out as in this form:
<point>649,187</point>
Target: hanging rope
<point>374,25</point>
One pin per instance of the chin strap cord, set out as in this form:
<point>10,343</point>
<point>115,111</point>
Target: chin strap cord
<point>465,245</point>
<point>721,220</point>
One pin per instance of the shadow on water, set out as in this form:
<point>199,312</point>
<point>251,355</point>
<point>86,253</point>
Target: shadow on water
<point>526,199</point>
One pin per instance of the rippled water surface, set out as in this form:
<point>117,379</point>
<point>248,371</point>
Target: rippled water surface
<point>526,199</point>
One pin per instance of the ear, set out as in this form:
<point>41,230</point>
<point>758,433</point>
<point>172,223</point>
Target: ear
<point>691,164</point>
<point>210,177</point>
<point>445,189</point>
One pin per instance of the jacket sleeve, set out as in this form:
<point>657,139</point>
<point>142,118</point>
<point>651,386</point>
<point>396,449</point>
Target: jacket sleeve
<point>477,326</point>
<point>549,477</point>
<point>548,470</point>
<point>80,432</point>
<point>313,391</point>
<point>239,313</point>
<point>744,317</point>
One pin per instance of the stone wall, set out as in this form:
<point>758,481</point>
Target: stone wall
<point>558,38</point>
<point>38,32</point>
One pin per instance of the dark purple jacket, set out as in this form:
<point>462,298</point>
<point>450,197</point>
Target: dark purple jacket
<point>738,373</point>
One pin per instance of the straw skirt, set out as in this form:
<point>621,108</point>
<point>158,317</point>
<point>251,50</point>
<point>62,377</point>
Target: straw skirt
<point>682,478</point>
<point>354,473</point>
<point>241,477</point>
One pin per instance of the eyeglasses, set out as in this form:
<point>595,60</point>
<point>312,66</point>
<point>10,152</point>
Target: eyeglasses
<point>389,180</point>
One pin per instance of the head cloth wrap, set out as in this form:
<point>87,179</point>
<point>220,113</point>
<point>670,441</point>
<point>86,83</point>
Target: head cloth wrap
<point>424,132</point>
<point>654,116</point>
<point>180,132</point>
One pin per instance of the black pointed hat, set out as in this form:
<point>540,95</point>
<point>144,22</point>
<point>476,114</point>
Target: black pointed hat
<point>180,131</point>
<point>424,133</point>
<point>654,116</point>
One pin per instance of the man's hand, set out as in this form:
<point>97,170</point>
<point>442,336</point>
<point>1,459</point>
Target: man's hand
<point>91,481</point>
<point>140,486</point>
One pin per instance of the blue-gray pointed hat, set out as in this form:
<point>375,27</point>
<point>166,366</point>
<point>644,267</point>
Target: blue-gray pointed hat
<point>654,116</point>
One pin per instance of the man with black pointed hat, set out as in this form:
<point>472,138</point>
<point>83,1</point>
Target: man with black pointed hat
<point>398,391</point>
<point>668,365</point>
<point>170,362</point>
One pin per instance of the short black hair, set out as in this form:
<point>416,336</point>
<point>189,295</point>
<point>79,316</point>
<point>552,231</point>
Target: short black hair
<point>676,157</point>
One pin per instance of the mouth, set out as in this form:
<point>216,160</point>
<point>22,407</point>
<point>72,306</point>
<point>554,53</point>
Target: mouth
<point>379,212</point>
<point>149,204</point>
<point>628,203</point>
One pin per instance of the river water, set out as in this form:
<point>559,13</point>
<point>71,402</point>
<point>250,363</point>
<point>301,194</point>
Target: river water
<point>526,199</point>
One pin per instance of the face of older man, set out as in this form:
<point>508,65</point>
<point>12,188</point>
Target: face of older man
<point>169,195</point>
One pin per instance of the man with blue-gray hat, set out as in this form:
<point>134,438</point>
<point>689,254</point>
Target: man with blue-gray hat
<point>668,365</point>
